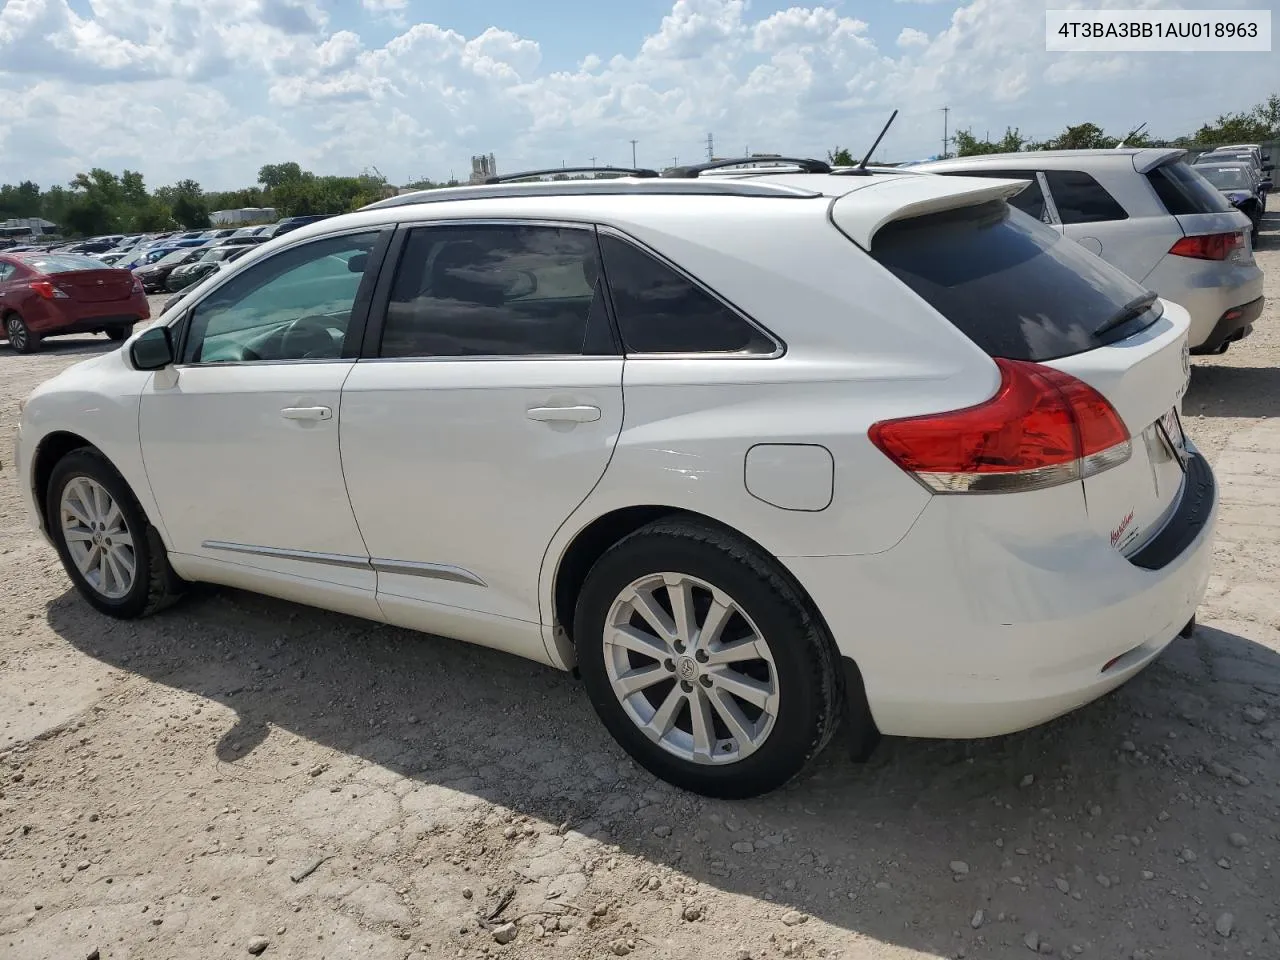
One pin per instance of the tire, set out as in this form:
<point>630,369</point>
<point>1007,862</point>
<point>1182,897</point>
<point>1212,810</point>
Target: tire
<point>21,339</point>
<point>154,584</point>
<point>120,333</point>
<point>800,666</point>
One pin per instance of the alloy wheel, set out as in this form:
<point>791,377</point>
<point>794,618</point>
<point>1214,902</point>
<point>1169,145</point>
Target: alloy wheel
<point>17,332</point>
<point>690,669</point>
<point>98,538</point>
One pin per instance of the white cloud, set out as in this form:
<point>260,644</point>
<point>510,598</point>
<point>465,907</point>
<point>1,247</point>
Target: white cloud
<point>382,6</point>
<point>911,37</point>
<point>212,89</point>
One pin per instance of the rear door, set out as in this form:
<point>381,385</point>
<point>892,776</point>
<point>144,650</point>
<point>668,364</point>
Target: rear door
<point>485,408</point>
<point>1091,216</point>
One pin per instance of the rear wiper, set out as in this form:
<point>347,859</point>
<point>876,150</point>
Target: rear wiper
<point>1134,308</point>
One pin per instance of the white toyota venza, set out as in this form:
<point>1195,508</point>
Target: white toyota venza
<point>760,456</point>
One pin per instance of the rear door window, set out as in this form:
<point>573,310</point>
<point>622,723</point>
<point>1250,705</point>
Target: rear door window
<point>1016,288</point>
<point>1082,199</point>
<point>1183,191</point>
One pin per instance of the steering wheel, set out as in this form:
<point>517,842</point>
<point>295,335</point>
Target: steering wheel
<point>308,338</point>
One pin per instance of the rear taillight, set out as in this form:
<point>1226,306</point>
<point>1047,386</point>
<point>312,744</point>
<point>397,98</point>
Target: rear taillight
<point>137,286</point>
<point>1042,428</point>
<point>1209,246</point>
<point>47,290</point>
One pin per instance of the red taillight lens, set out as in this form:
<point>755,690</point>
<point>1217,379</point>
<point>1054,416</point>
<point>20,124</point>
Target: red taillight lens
<point>1042,428</point>
<point>137,286</point>
<point>47,290</point>
<point>1209,246</point>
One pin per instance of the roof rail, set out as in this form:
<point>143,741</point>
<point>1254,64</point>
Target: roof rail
<point>693,170</point>
<point>611,186</point>
<point>528,174</point>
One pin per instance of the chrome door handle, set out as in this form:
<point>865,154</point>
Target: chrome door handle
<point>307,413</point>
<point>578,414</point>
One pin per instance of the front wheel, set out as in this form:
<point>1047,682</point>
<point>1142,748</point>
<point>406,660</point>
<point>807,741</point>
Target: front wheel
<point>120,333</point>
<point>20,336</point>
<point>109,549</point>
<point>703,661</point>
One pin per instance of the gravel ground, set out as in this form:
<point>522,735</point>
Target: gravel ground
<point>241,776</point>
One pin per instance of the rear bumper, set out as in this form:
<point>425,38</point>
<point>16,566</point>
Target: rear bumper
<point>1206,289</point>
<point>58,318</point>
<point>1235,324</point>
<point>963,632</point>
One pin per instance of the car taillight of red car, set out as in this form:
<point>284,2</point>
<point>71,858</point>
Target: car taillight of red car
<point>47,290</point>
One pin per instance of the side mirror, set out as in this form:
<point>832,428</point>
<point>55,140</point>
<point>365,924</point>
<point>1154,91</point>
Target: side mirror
<point>152,350</point>
<point>1268,167</point>
<point>358,263</point>
<point>1266,184</point>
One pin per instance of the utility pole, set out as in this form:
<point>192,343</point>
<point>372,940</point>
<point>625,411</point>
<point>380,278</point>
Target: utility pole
<point>675,161</point>
<point>946,111</point>
<point>633,153</point>
<point>711,148</point>
<point>593,161</point>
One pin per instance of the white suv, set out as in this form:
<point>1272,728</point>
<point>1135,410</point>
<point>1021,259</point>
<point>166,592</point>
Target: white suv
<point>758,456</point>
<point>1150,214</point>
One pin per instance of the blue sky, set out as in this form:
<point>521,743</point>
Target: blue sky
<point>213,89</point>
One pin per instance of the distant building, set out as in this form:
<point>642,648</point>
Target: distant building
<point>27,227</point>
<point>226,218</point>
<point>482,168</point>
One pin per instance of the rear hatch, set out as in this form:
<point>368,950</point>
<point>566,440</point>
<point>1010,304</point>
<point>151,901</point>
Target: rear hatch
<point>1201,210</point>
<point>1022,292</point>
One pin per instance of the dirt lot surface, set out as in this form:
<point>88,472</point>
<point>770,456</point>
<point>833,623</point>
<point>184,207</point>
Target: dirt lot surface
<point>241,775</point>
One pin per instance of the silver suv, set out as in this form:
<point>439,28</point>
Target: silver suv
<point>1148,213</point>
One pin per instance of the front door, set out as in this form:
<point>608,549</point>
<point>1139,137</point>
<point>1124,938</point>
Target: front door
<point>240,437</point>
<point>486,411</point>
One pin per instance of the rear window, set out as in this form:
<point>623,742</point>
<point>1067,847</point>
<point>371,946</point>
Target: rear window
<point>1013,286</point>
<point>65,263</point>
<point>1183,191</point>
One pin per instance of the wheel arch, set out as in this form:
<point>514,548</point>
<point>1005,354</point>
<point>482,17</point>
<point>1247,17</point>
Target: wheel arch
<point>51,449</point>
<point>601,533</point>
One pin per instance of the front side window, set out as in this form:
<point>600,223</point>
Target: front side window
<point>495,290</point>
<point>295,305</point>
<point>661,311</point>
<point>1082,199</point>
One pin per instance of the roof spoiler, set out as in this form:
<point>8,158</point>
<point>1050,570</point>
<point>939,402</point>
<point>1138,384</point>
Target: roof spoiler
<point>1144,161</point>
<point>885,201</point>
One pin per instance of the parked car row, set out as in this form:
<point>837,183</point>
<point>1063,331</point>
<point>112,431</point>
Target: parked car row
<point>762,454</point>
<point>1243,175</point>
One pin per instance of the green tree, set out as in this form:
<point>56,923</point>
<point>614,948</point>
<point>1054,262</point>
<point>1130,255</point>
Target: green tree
<point>190,212</point>
<point>840,157</point>
<point>1261,122</point>
<point>273,175</point>
<point>22,201</point>
<point>967,145</point>
<point>1083,136</point>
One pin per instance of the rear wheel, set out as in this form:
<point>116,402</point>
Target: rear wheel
<point>108,547</point>
<point>120,333</point>
<point>20,336</point>
<point>703,661</point>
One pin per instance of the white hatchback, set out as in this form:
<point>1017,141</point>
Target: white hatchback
<point>758,456</point>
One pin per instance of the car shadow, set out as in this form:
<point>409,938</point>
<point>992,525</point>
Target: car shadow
<point>867,848</point>
<point>88,345</point>
<point>1222,390</point>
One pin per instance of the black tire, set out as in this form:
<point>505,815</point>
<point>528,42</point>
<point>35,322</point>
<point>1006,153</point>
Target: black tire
<point>21,339</point>
<point>120,333</point>
<point>809,680</point>
<point>155,585</point>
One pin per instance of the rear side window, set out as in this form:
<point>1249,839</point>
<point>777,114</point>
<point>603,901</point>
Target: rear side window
<point>1183,191</point>
<point>491,290</point>
<point>1016,288</point>
<point>1030,201</point>
<point>660,311</point>
<point>1082,199</point>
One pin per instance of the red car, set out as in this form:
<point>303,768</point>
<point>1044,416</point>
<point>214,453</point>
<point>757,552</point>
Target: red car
<point>49,294</point>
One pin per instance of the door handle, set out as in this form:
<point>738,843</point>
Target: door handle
<point>307,413</point>
<point>579,414</point>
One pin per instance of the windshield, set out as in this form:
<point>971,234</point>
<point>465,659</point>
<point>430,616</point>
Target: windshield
<point>171,259</point>
<point>1227,178</point>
